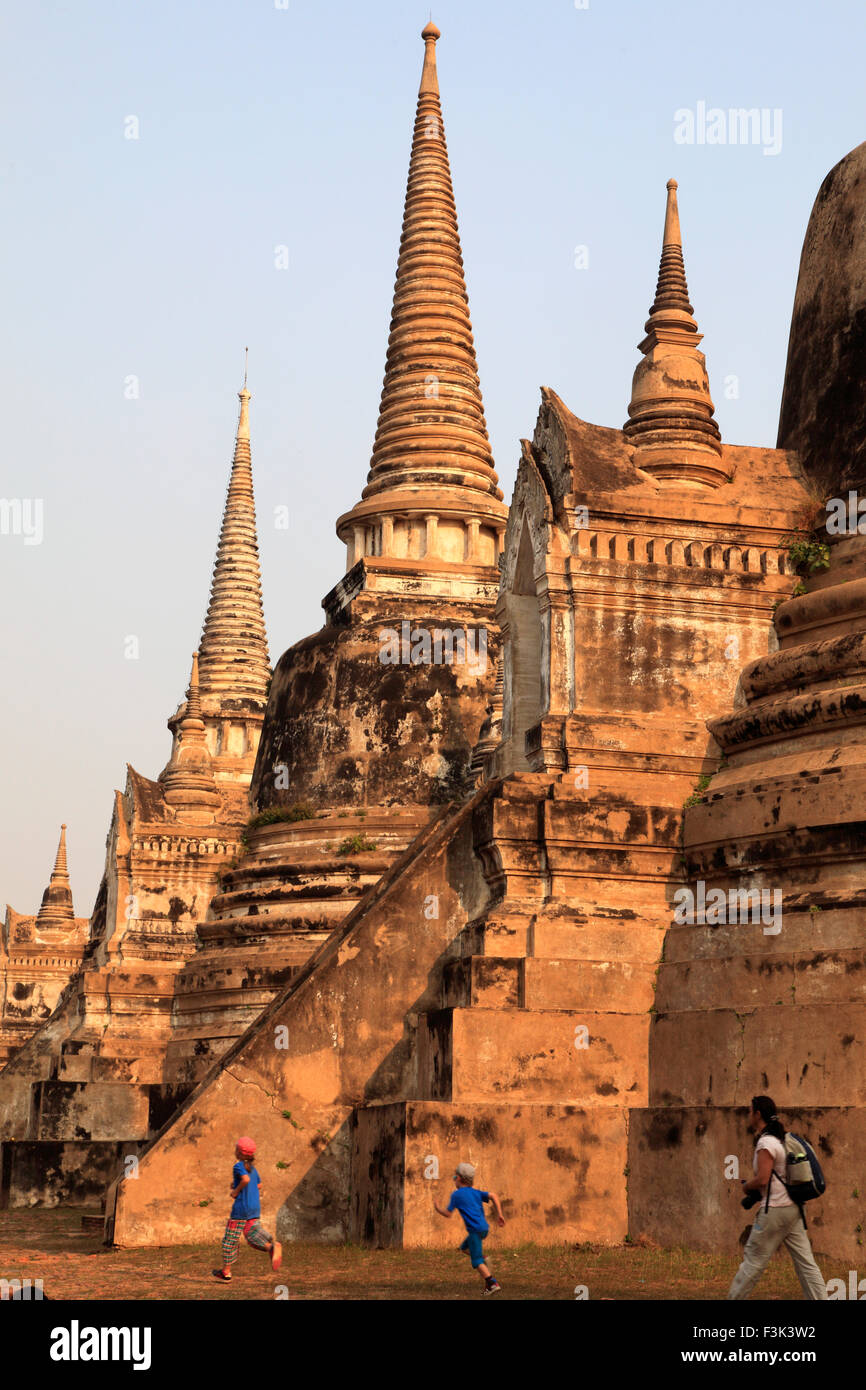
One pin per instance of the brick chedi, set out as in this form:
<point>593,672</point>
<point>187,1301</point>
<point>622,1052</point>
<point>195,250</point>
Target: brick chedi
<point>670,417</point>
<point>489,999</point>
<point>89,1086</point>
<point>234,669</point>
<point>772,1001</point>
<point>432,491</point>
<point>37,956</point>
<point>188,780</point>
<point>448,931</point>
<point>371,721</point>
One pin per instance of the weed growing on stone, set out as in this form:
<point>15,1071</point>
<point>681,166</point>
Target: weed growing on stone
<point>356,844</point>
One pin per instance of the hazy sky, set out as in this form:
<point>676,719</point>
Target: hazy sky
<point>261,126</point>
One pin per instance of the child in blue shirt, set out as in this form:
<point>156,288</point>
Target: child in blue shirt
<point>470,1205</point>
<point>245,1213</point>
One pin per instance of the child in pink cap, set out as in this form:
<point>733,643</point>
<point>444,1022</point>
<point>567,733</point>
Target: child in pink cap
<point>245,1214</point>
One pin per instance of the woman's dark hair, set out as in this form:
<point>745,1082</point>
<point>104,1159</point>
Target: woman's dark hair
<point>766,1108</point>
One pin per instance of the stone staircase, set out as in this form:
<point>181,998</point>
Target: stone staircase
<point>275,908</point>
<point>538,1048</point>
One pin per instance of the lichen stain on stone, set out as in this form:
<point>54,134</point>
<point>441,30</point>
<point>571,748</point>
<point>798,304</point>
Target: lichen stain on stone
<point>563,1156</point>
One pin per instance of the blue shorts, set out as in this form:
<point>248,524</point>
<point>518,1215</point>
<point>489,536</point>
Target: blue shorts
<point>473,1248</point>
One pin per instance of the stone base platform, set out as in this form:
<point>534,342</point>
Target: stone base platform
<point>702,1210</point>
<point>576,1159</point>
<point>61,1173</point>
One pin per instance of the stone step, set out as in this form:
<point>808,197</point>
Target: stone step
<point>74,1111</point>
<point>497,935</point>
<point>578,1056</point>
<point>62,1173</point>
<point>733,1055</point>
<point>829,930</point>
<point>773,822</point>
<point>482,981</point>
<point>560,931</point>
<point>597,934</point>
<point>213,980</point>
<point>511,982</point>
<point>135,1065</point>
<point>616,986</point>
<point>576,864</point>
<point>765,980</point>
<point>281,921</point>
<point>557,1169</point>
<point>347,879</point>
<point>145,982</point>
<point>611,819</point>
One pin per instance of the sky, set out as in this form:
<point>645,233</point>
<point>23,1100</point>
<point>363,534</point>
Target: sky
<point>155,155</point>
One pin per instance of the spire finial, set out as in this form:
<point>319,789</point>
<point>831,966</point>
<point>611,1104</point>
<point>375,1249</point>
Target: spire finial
<point>233,651</point>
<point>188,778</point>
<point>670,420</point>
<point>672,292</point>
<point>429,79</point>
<point>193,706</point>
<point>244,398</point>
<point>57,909</point>
<point>60,859</point>
<point>672,235</point>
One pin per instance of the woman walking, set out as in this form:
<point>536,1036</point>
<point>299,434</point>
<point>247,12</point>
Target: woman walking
<point>779,1220</point>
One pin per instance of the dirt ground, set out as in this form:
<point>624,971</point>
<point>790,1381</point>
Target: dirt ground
<point>72,1263</point>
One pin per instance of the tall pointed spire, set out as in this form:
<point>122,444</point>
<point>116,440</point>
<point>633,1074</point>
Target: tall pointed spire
<point>234,647</point>
<point>188,778</point>
<point>60,868</point>
<point>671,412</point>
<point>57,909</point>
<point>193,698</point>
<point>431,454</point>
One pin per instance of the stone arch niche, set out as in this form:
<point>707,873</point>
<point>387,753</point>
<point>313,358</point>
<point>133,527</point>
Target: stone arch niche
<point>523,647</point>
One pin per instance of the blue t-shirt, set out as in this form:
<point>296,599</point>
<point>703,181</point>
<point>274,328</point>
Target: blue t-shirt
<point>470,1204</point>
<point>246,1204</point>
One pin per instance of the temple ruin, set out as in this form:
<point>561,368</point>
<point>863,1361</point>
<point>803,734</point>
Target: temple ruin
<point>419,896</point>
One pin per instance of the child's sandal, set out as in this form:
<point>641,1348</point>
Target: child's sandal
<point>218,1274</point>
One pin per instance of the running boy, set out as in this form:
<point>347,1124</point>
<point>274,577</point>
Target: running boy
<point>244,1219</point>
<point>470,1205</point>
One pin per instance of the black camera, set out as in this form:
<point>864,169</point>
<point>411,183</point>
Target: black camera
<point>751,1199</point>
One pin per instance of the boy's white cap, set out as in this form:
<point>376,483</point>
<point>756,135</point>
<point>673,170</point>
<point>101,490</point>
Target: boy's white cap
<point>464,1170</point>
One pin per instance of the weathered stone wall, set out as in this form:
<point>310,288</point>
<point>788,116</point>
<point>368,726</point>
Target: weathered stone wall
<point>823,413</point>
<point>678,1192</point>
<point>774,1004</point>
<point>355,731</point>
<point>571,1159</point>
<point>33,974</point>
<point>50,1174</point>
<point>349,1017</point>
